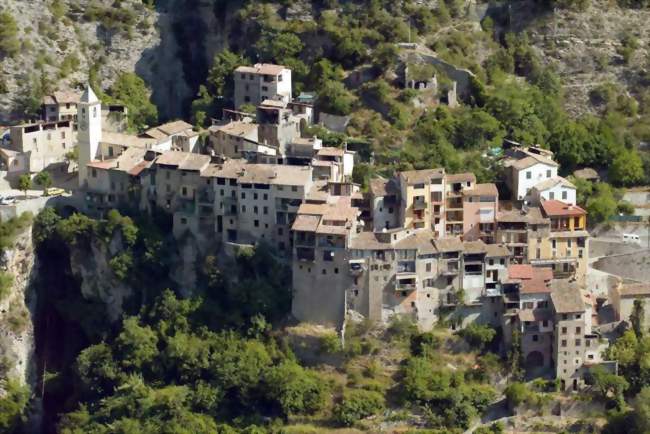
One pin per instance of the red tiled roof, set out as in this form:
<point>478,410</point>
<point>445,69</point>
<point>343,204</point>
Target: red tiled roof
<point>558,208</point>
<point>520,271</point>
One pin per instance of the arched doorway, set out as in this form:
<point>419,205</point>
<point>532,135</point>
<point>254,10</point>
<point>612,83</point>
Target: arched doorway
<point>534,359</point>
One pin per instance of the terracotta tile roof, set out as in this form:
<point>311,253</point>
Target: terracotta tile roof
<point>422,241</point>
<point>369,241</point>
<point>380,187</point>
<point>126,140</point>
<point>168,129</point>
<point>273,103</point>
<point>262,68</point>
<point>556,208</point>
<point>482,190</point>
<point>328,151</point>
<point>307,223</point>
<point>184,160</point>
<point>422,176</point>
<point>496,250</point>
<point>628,290</point>
<point>474,247</point>
<point>552,182</point>
<point>566,296</point>
<point>461,177</point>
<point>450,244</point>
<point>535,315</point>
<point>532,279</point>
<point>62,97</point>
<point>532,215</point>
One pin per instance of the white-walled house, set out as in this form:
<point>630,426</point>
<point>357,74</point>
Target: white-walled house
<point>557,188</point>
<point>254,84</point>
<point>526,169</point>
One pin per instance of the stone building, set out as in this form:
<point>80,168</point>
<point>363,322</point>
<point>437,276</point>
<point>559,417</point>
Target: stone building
<point>623,296</point>
<point>262,81</point>
<point>40,145</point>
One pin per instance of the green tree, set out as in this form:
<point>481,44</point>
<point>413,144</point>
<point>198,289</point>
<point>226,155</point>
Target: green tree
<point>12,405</point>
<point>131,90</point>
<point>626,169</point>
<point>334,98</point>
<point>637,318</point>
<point>295,389</point>
<point>44,179</point>
<point>9,43</point>
<point>358,404</point>
<point>136,344</point>
<point>609,385</point>
<point>478,336</point>
<point>602,204</point>
<point>24,183</point>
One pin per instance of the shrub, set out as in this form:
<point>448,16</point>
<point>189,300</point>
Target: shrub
<point>6,280</point>
<point>358,404</point>
<point>295,389</point>
<point>330,343</point>
<point>9,43</point>
<point>478,336</point>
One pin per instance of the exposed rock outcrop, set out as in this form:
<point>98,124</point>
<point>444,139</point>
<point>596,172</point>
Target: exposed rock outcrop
<point>17,309</point>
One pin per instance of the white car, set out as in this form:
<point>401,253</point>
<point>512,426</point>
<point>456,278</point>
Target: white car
<point>7,200</point>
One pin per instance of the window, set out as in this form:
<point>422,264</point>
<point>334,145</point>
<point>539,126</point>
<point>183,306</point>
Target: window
<point>548,173</point>
<point>183,220</point>
<point>564,195</point>
<point>545,323</point>
<point>428,267</point>
<point>255,210</point>
<point>564,343</point>
<point>63,134</point>
<point>243,208</point>
<point>255,196</point>
<point>535,338</point>
<point>529,174</point>
<point>266,196</point>
<point>294,188</point>
<point>324,271</point>
<point>328,255</point>
<point>280,231</point>
<point>578,342</point>
<point>336,271</point>
<point>564,330</point>
<point>266,210</point>
<point>184,191</point>
<point>551,195</point>
<point>390,210</point>
<point>256,223</point>
<point>243,195</point>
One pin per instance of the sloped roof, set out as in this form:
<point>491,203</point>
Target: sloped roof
<point>630,290</point>
<point>566,296</point>
<point>422,176</point>
<point>554,208</point>
<point>461,177</point>
<point>380,187</point>
<point>262,68</point>
<point>552,182</point>
<point>481,190</point>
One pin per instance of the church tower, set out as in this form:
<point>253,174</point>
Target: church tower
<point>89,132</point>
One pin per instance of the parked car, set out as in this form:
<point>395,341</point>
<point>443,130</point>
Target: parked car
<point>631,239</point>
<point>55,191</point>
<point>7,200</point>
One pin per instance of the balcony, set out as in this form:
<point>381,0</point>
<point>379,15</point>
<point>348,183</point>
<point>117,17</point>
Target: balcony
<point>419,205</point>
<point>332,243</point>
<point>450,270</point>
<point>307,239</point>
<point>406,282</point>
<point>357,267</point>
<point>406,267</point>
<point>206,196</point>
<point>436,197</point>
<point>305,254</point>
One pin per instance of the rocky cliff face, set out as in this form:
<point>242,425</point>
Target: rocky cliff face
<point>171,47</point>
<point>88,33</point>
<point>17,310</point>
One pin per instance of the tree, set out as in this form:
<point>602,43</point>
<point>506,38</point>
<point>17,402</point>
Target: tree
<point>334,98</point>
<point>131,90</point>
<point>602,204</point>
<point>12,405</point>
<point>296,390</point>
<point>477,335</point>
<point>609,384</point>
<point>641,415</point>
<point>627,168</point>
<point>24,183</point>
<point>44,179</point>
<point>136,344</point>
<point>9,43</point>
<point>637,318</point>
<point>358,404</point>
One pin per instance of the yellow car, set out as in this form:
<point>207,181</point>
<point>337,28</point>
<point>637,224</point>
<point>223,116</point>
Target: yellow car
<point>55,191</point>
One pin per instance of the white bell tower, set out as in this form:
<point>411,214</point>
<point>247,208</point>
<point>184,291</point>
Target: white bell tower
<point>89,133</point>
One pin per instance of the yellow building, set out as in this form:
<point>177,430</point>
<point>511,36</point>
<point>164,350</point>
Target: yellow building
<point>422,200</point>
<point>563,244</point>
